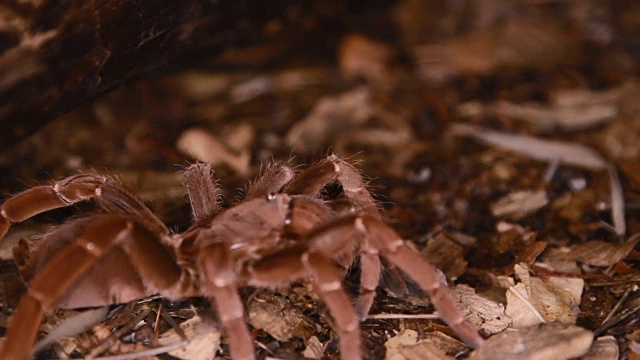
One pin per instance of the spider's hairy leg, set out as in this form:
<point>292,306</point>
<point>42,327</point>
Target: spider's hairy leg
<point>370,269</point>
<point>327,278</point>
<point>396,250</point>
<point>204,195</point>
<point>274,178</point>
<point>330,169</point>
<point>69,191</point>
<point>57,277</point>
<point>219,284</point>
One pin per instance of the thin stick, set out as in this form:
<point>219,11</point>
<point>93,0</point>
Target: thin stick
<point>116,335</point>
<point>623,298</point>
<point>146,353</point>
<point>156,328</point>
<point>434,316</point>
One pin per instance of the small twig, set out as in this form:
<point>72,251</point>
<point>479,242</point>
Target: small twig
<point>156,327</point>
<point>146,353</point>
<point>117,334</point>
<point>623,298</point>
<point>174,325</point>
<point>551,171</point>
<point>434,316</point>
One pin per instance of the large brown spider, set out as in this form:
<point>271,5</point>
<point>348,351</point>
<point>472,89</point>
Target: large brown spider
<point>281,232</point>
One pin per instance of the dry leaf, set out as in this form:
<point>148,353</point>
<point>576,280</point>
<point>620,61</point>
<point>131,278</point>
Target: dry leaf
<point>554,151</point>
<point>548,118</point>
<point>203,337</point>
<point>600,253</point>
<point>541,342</point>
<point>553,298</point>
<point>200,86</point>
<point>250,89</point>
<point>330,117</point>
<point>75,323</point>
<point>487,314</point>
<point>405,346</point>
<point>204,146</point>
<point>363,57</point>
<point>579,97</point>
<point>519,204</point>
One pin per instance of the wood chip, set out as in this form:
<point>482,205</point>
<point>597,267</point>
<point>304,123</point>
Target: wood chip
<point>274,315</point>
<point>446,255</point>
<point>519,204</point>
<point>487,314</point>
<point>314,349</point>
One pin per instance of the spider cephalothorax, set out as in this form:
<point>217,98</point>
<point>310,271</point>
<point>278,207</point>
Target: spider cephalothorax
<point>283,231</point>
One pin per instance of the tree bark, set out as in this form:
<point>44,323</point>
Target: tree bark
<point>55,55</point>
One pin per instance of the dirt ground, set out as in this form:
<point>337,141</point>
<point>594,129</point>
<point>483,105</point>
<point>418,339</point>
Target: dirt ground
<point>502,139</point>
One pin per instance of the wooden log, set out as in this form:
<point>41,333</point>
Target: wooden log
<point>57,54</point>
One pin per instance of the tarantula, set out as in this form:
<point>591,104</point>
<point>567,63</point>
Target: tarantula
<point>284,230</point>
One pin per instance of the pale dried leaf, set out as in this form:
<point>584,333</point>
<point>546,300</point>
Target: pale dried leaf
<point>600,253</point>
<point>239,137</point>
<point>250,89</point>
<point>604,348</point>
<point>555,298</point>
<point>331,116</point>
<point>360,56</point>
<point>519,204</point>
<point>204,146</point>
<point>275,317</point>
<point>520,309</point>
<point>540,342</point>
<point>314,349</point>
<point>201,86</point>
<point>203,337</point>
<point>72,325</point>
<point>579,97</point>
<point>554,151</point>
<point>547,118</point>
<point>487,314</point>
<point>405,346</point>
<point>539,149</point>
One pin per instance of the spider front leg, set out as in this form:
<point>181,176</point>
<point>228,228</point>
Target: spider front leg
<point>64,269</point>
<point>70,191</point>
<point>370,269</point>
<point>392,247</point>
<point>378,237</point>
<point>219,284</point>
<point>297,263</point>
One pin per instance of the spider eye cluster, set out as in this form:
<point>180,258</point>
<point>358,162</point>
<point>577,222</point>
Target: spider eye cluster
<point>271,196</point>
